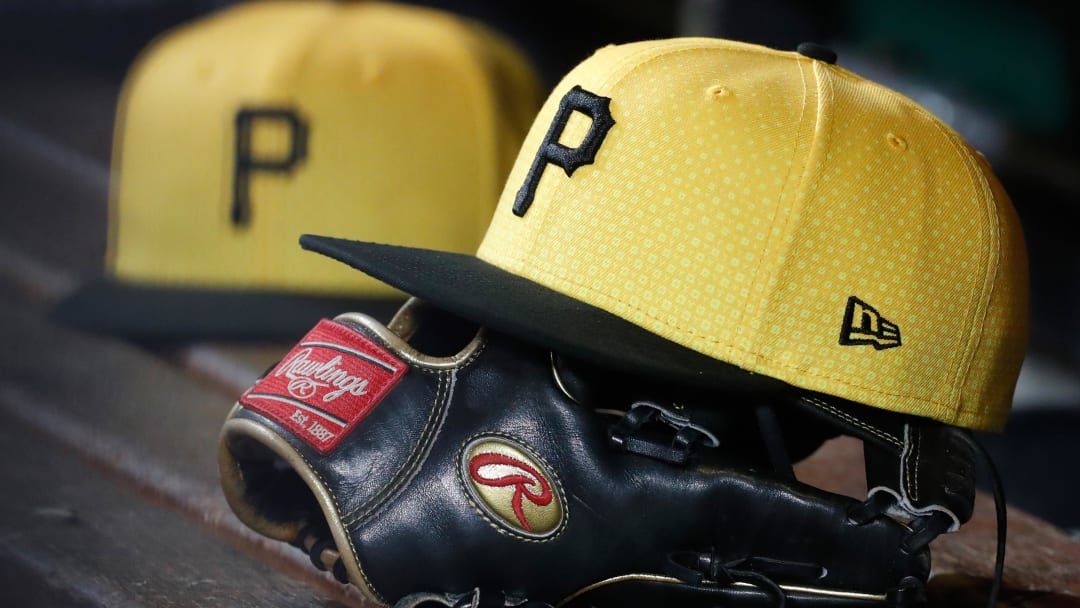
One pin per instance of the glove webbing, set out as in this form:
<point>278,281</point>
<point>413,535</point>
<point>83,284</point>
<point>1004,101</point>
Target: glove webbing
<point>926,528</point>
<point>694,568</point>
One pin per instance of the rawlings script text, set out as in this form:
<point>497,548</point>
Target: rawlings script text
<point>306,377</point>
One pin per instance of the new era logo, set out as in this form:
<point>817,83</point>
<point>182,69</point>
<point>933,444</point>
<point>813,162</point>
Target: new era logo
<point>865,325</point>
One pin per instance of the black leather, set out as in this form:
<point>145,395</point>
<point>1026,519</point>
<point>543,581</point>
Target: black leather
<point>398,488</point>
<point>928,467</point>
<point>935,469</point>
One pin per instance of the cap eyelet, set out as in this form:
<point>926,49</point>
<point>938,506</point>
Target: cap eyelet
<point>717,90</point>
<point>898,143</point>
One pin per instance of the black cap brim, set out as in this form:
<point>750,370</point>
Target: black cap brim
<point>168,315</point>
<point>492,297</point>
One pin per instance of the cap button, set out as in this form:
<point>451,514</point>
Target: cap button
<point>816,51</point>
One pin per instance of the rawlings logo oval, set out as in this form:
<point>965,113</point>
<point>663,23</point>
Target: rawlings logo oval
<point>513,486</point>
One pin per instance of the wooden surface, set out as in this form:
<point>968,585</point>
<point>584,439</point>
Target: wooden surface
<point>91,536</point>
<point>109,449</point>
<point>109,457</point>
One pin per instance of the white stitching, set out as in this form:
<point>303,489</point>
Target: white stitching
<point>410,464</point>
<point>348,535</point>
<point>918,457</point>
<point>855,421</point>
<point>905,465</point>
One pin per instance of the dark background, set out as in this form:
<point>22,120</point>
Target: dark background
<point>1004,74</point>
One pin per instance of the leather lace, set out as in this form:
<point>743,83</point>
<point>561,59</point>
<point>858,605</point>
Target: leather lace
<point>926,528</point>
<point>694,568</point>
<point>675,444</point>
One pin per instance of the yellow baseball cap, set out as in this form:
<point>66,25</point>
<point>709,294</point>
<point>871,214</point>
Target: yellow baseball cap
<point>242,130</point>
<point>733,216</point>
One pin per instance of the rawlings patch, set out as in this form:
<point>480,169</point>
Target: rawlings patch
<point>512,486</point>
<point>326,385</point>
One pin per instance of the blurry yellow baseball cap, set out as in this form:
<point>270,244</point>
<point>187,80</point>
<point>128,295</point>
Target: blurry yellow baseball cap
<point>731,216</point>
<point>242,130</point>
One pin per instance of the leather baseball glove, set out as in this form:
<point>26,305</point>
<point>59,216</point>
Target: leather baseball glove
<point>429,462</point>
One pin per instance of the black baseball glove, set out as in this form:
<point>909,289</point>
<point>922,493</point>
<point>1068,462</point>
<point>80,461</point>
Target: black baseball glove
<point>429,462</point>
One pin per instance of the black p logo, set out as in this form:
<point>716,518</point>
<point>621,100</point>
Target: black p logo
<point>551,151</point>
<point>246,162</point>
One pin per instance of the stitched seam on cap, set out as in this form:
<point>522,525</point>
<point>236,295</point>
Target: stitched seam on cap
<point>978,180</point>
<point>756,273</point>
<point>866,426</point>
<point>978,318</point>
<point>977,329</point>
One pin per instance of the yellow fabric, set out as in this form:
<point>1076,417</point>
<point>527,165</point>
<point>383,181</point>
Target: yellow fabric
<point>411,131</point>
<point>745,194</point>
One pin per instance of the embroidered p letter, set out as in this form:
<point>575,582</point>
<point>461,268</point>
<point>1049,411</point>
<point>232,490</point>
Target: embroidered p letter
<point>551,151</point>
<point>247,162</point>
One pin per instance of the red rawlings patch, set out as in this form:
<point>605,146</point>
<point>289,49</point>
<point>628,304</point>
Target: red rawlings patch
<point>326,385</point>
